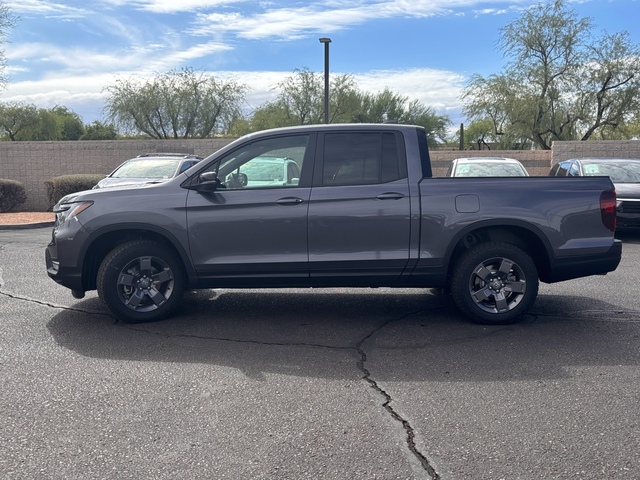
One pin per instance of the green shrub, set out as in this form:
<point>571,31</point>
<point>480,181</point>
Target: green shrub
<point>12,194</point>
<point>58,187</point>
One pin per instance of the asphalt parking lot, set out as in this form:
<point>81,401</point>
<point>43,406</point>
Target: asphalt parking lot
<point>317,384</point>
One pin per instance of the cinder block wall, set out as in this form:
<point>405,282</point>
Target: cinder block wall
<point>537,162</point>
<point>33,163</point>
<point>599,149</point>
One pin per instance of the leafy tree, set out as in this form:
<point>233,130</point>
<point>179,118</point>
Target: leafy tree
<point>17,118</point>
<point>387,106</point>
<point>482,134</point>
<point>301,102</point>
<point>47,128</point>
<point>302,97</point>
<point>7,20</point>
<point>99,131</point>
<point>273,115</point>
<point>23,122</point>
<point>633,129</point>
<point>560,83</point>
<point>177,104</point>
<point>70,124</point>
<point>611,80</point>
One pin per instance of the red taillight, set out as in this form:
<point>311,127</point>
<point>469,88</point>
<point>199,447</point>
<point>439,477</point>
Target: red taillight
<point>608,209</point>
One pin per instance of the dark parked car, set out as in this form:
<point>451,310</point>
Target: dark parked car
<point>148,168</point>
<point>625,175</point>
<point>486,167</point>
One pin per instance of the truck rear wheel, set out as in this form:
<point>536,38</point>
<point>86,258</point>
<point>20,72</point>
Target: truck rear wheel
<point>141,281</point>
<point>494,283</point>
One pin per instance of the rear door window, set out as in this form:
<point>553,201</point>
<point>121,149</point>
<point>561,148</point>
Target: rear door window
<point>361,158</point>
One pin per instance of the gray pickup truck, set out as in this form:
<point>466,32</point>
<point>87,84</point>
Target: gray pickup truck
<point>333,206</point>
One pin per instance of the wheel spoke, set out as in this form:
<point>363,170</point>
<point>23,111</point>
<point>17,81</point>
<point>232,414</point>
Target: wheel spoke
<point>482,295</point>
<point>126,279</point>
<point>505,267</point>
<point>145,266</point>
<point>136,298</point>
<point>483,273</point>
<point>501,302</point>
<point>163,276</point>
<point>517,286</point>
<point>156,297</point>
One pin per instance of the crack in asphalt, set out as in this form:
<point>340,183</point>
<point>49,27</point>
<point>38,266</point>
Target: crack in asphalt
<point>409,431</point>
<point>49,304</point>
<point>359,349</point>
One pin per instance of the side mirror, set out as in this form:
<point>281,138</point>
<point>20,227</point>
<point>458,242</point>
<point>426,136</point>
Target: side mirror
<point>207,177</point>
<point>207,182</point>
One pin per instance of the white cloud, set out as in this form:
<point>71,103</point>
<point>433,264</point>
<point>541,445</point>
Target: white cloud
<point>172,6</point>
<point>292,23</point>
<point>296,22</point>
<point>73,61</point>
<point>435,88</point>
<point>44,8</point>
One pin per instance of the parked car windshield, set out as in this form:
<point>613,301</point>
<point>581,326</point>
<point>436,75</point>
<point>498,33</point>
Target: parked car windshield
<point>266,170</point>
<point>619,172</point>
<point>148,168</point>
<point>486,169</point>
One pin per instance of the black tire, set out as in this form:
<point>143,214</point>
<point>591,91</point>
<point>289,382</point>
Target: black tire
<point>141,281</point>
<point>494,283</point>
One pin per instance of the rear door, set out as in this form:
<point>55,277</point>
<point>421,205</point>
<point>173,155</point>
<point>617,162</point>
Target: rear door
<point>359,210</point>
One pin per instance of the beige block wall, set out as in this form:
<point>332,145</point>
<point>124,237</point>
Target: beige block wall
<point>33,163</point>
<point>599,149</point>
<point>537,162</point>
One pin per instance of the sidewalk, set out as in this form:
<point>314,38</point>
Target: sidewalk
<point>15,220</point>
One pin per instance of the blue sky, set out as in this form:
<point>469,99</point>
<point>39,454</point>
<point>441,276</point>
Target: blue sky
<point>67,52</point>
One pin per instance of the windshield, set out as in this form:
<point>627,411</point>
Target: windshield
<point>147,168</point>
<point>264,170</point>
<point>619,172</point>
<point>486,169</point>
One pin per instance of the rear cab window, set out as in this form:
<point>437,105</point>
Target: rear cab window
<point>360,158</point>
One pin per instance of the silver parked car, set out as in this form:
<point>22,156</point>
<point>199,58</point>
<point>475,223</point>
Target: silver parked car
<point>623,172</point>
<point>486,167</point>
<point>148,168</point>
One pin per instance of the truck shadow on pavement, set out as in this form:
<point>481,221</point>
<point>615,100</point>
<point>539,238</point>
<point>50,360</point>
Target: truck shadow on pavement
<point>326,334</point>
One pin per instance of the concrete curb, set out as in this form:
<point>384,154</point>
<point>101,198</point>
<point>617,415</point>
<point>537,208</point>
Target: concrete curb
<point>24,226</point>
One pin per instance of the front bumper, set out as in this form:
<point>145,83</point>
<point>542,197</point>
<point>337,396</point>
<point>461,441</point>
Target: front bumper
<point>63,255</point>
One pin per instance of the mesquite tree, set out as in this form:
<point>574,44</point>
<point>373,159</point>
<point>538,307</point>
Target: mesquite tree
<point>177,104</point>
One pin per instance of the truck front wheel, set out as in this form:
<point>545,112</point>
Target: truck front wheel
<point>494,283</point>
<point>141,281</point>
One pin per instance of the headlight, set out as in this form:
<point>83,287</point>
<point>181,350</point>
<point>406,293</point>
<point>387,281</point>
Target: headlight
<point>67,211</point>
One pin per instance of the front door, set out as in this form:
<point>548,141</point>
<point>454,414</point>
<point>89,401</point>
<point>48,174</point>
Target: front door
<point>255,225</point>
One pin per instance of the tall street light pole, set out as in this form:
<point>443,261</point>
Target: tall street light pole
<point>326,42</point>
